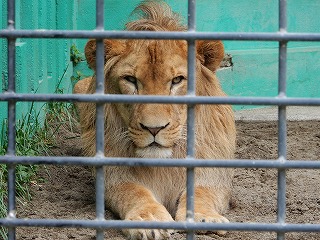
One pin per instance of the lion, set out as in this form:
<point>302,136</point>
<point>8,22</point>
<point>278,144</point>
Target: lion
<point>145,130</point>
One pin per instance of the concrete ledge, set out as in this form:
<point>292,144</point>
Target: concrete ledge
<point>271,114</point>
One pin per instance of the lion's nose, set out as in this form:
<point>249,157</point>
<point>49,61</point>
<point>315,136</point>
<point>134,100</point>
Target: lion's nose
<point>153,130</point>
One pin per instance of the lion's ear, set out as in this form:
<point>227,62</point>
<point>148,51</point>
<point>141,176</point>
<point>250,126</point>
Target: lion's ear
<point>111,48</point>
<point>210,53</point>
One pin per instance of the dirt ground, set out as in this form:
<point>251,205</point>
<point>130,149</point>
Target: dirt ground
<point>69,191</point>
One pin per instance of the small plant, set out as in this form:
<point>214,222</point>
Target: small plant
<point>77,76</point>
<point>60,112</point>
<point>75,55</point>
<point>3,139</point>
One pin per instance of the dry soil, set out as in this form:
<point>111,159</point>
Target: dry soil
<point>69,193</point>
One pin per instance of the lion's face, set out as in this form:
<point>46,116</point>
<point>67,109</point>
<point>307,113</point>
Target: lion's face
<point>146,69</point>
<point>155,67</point>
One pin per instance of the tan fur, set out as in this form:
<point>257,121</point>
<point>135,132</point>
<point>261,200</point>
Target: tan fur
<point>158,194</point>
<point>81,87</point>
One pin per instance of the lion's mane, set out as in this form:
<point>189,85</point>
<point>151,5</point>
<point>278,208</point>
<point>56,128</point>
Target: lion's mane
<point>137,192</point>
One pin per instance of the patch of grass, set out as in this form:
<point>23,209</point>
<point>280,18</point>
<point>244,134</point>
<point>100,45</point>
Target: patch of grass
<point>33,138</point>
<point>3,197</point>
<point>60,114</point>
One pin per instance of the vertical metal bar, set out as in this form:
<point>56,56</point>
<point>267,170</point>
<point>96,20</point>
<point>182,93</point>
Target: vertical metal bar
<point>283,15</point>
<point>282,125</point>
<point>191,115</point>
<point>100,175</point>
<point>100,14</point>
<point>11,119</point>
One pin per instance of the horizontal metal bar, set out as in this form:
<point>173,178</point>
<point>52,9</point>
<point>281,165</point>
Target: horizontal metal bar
<point>118,224</point>
<point>156,162</point>
<point>115,98</point>
<point>255,36</point>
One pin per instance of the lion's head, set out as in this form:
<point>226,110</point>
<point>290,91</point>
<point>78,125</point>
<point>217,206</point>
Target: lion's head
<point>158,67</point>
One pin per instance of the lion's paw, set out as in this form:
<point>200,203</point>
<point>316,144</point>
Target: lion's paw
<point>215,218</point>
<point>148,234</point>
<point>149,215</point>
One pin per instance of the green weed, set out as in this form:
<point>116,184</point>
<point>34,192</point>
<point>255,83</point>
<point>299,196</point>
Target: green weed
<point>33,138</point>
<point>3,197</point>
<point>30,141</point>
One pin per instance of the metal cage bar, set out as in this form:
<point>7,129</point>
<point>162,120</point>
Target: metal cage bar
<point>116,98</point>
<point>11,120</point>
<point>281,227</point>
<point>282,124</point>
<point>190,117</point>
<point>120,224</point>
<point>155,162</point>
<point>234,36</point>
<point>100,88</point>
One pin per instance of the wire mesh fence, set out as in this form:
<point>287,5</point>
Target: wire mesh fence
<point>98,161</point>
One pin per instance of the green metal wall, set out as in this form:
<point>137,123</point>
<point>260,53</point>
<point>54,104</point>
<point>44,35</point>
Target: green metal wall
<point>42,63</point>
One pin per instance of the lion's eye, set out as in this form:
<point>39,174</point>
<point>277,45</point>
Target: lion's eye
<point>177,80</point>
<point>131,79</point>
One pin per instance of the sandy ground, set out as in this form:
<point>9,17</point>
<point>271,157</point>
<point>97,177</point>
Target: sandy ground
<point>69,191</point>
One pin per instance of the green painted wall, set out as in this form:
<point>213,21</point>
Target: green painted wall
<point>43,63</point>
<point>255,69</point>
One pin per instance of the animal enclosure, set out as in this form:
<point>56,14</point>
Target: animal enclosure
<point>280,163</point>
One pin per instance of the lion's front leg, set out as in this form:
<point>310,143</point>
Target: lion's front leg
<point>207,207</point>
<point>134,202</point>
